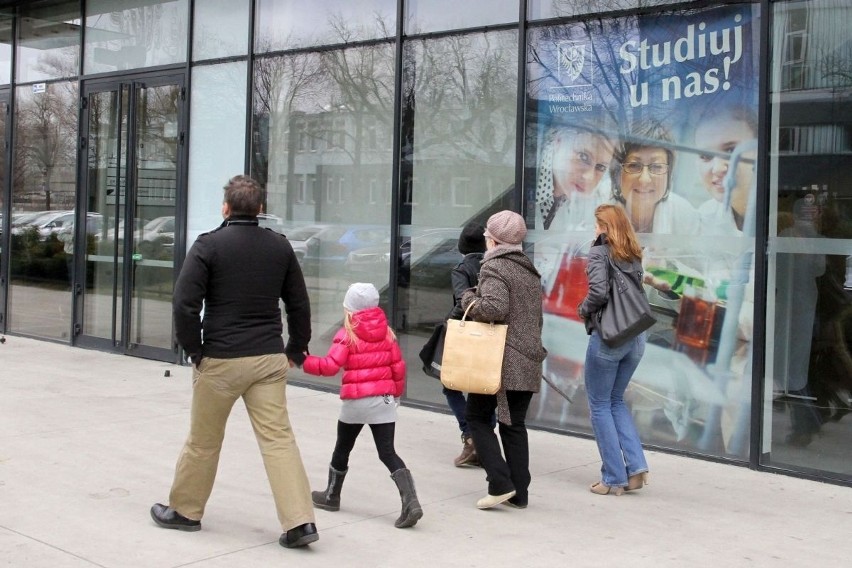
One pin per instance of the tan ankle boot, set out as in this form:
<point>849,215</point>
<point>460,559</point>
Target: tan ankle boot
<point>468,454</point>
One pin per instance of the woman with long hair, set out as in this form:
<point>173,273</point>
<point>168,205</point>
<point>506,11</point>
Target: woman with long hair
<point>608,369</point>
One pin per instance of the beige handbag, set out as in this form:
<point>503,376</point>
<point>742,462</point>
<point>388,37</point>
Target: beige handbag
<point>473,355</point>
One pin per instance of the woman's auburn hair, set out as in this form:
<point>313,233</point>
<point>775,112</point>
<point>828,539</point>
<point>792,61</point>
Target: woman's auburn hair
<point>623,244</point>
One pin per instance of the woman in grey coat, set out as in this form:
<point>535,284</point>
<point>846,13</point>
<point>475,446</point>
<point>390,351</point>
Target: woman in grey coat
<point>509,291</point>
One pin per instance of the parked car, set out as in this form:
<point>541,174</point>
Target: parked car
<point>23,219</point>
<point>434,251</point>
<point>273,222</point>
<point>331,246</point>
<point>157,236</point>
<point>45,222</point>
<point>94,226</point>
<point>154,239</point>
<point>298,237</point>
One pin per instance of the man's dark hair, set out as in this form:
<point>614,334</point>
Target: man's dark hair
<point>244,196</point>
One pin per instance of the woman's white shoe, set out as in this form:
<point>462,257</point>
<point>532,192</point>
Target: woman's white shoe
<point>493,500</point>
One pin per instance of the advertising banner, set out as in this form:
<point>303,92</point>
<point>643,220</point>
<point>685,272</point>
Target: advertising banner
<point>658,114</point>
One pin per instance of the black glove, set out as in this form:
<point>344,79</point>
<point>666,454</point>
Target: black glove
<point>297,358</point>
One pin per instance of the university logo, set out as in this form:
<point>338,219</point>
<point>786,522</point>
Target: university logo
<point>572,60</point>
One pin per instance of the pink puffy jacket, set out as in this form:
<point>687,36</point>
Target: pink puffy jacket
<point>373,364</point>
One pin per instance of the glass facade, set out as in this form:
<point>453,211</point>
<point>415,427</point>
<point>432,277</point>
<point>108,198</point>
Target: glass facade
<point>373,155</point>
<point>809,300</point>
<point>321,144</point>
<point>291,24</point>
<point>217,149</point>
<point>220,28</point>
<point>48,41</point>
<point>545,9</point>
<point>44,189</point>
<point>134,34</point>
<point>458,164</point>
<point>424,16</point>
<point>5,48</point>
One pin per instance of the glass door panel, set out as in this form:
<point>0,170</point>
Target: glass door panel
<point>106,188</point>
<point>155,192</point>
<point>131,172</point>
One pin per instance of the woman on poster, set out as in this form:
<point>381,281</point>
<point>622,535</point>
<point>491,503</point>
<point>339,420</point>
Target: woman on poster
<point>717,134</point>
<point>571,166</point>
<point>642,183</point>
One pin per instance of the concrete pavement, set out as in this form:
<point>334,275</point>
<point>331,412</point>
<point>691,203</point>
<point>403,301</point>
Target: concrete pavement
<point>88,441</point>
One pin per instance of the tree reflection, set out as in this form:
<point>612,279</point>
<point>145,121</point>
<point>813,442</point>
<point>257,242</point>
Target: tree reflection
<point>338,104</point>
<point>45,147</point>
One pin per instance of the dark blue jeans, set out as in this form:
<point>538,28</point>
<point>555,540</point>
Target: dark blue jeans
<point>457,403</point>
<point>512,473</point>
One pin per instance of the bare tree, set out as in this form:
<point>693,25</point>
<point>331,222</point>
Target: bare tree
<point>45,146</point>
<point>282,86</point>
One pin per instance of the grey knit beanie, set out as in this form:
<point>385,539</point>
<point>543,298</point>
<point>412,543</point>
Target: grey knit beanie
<point>506,227</point>
<point>361,296</point>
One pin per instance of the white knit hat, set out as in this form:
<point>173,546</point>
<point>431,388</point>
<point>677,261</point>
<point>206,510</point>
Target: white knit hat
<point>361,296</point>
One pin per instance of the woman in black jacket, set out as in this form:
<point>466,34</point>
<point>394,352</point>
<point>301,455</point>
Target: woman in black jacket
<point>608,369</point>
<point>465,276</point>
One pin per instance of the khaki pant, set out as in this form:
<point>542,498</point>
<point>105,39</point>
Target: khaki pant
<point>261,382</point>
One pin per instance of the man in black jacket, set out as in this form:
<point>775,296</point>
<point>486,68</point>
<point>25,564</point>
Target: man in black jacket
<point>237,274</point>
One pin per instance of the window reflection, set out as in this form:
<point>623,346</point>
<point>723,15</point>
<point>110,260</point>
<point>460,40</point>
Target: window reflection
<point>321,147</point>
<point>290,24</point>
<point>43,194</point>
<point>458,165</point>
<point>422,16</point>
<point>543,9</point>
<point>809,367</point>
<point>220,29</point>
<point>5,49</point>
<point>143,33</point>
<point>48,44</point>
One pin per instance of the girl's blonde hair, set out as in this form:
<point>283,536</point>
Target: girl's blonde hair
<point>623,243</point>
<point>350,326</point>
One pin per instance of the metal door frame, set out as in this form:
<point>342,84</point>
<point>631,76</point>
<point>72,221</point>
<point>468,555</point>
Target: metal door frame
<point>120,343</point>
<point>6,208</point>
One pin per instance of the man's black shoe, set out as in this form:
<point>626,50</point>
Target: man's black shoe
<point>299,536</point>
<point>168,518</point>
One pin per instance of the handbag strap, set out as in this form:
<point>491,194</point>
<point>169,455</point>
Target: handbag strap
<point>464,316</point>
<point>470,305</point>
<point>620,271</point>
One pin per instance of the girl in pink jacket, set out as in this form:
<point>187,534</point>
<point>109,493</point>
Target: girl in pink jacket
<point>373,379</point>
